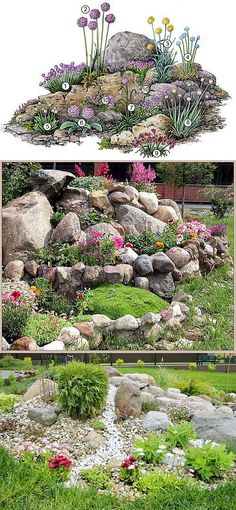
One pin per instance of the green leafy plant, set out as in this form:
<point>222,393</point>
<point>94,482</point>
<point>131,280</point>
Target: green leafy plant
<point>119,362</point>
<point>149,406</point>
<point>221,200</point>
<point>209,461</point>
<point>7,402</point>
<point>72,126</point>
<point>98,478</point>
<point>105,143</point>
<point>98,425</point>
<point>92,216</point>
<point>45,122</point>
<point>49,300</point>
<point>90,183</point>
<point>192,387</point>
<point>82,389</point>
<point>8,362</point>
<point>164,53</point>
<point>56,218</point>
<point>211,367</point>
<point>44,328</point>
<point>15,179</point>
<point>140,363</point>
<point>179,435</point>
<point>14,319</point>
<point>143,242</point>
<point>129,471</point>
<point>192,366</point>
<point>156,482</point>
<point>151,450</point>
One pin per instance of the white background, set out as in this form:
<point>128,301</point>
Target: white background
<point>36,35</point>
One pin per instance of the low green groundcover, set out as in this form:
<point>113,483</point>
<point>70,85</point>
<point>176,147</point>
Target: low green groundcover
<point>44,328</point>
<point>26,485</point>
<point>118,300</point>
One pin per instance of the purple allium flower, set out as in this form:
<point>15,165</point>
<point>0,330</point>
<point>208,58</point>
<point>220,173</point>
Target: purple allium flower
<point>105,7</point>
<point>94,14</point>
<point>73,111</point>
<point>93,25</point>
<point>124,81</point>
<point>82,22</point>
<point>110,18</point>
<point>87,113</point>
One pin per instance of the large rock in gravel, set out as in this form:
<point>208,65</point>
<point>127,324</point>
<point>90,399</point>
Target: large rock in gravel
<point>50,182</point>
<point>162,284</point>
<point>128,399</point>
<point>125,46</point>
<point>26,226</point>
<point>68,230</point>
<point>45,388</point>
<point>179,256</point>
<point>143,265</point>
<point>144,379</point>
<point>155,420</point>
<point>135,221</point>
<point>95,439</point>
<point>162,264</point>
<point>126,323</point>
<point>44,415</point>
<point>216,425</point>
<point>14,269</point>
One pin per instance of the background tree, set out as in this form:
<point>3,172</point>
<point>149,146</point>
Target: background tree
<point>181,174</point>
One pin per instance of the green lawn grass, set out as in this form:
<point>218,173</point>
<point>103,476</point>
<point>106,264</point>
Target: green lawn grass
<point>219,380</point>
<point>26,486</point>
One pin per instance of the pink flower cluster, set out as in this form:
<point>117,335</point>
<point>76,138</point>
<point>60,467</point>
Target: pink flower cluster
<point>13,297</point>
<point>104,170</point>
<point>194,229</point>
<point>141,174</point>
<point>79,172</point>
<point>130,463</point>
<point>59,461</point>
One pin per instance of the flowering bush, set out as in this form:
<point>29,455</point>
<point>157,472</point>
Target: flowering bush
<point>62,464</point>
<point>193,230</point>
<point>221,200</point>
<point>188,47</point>
<point>218,230</point>
<point>70,74</point>
<point>152,144</point>
<point>141,174</point>
<point>129,472</point>
<point>162,50</point>
<point>99,249</point>
<point>104,171</point>
<point>178,411</point>
<point>15,313</point>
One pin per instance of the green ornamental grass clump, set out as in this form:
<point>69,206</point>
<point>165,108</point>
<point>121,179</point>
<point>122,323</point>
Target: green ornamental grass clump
<point>82,389</point>
<point>118,300</point>
<point>210,460</point>
<point>7,402</point>
<point>44,328</point>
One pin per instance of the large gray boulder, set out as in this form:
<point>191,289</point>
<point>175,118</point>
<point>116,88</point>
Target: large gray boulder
<point>44,415</point>
<point>128,399</point>
<point>125,46</point>
<point>155,420</point>
<point>162,284</point>
<point>217,425</point>
<point>50,182</point>
<point>162,264</point>
<point>26,226</point>
<point>68,230</point>
<point>135,221</point>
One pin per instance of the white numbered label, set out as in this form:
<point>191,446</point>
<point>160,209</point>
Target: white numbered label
<point>81,122</point>
<point>47,126</point>
<point>187,57</point>
<point>85,9</point>
<point>65,86</point>
<point>167,43</point>
<point>187,122</point>
<point>105,100</point>
<point>131,107</point>
<point>156,153</point>
<point>145,89</point>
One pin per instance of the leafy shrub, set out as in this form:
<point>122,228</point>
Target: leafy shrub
<point>98,478</point>
<point>118,300</point>
<point>15,179</point>
<point>90,183</point>
<point>44,328</point>
<point>151,450</point>
<point>119,362</point>
<point>161,482</point>
<point>56,218</point>
<point>221,201</point>
<point>14,318</point>
<point>98,425</point>
<point>64,73</point>
<point>149,406</point>
<point>211,367</point>
<point>7,402</point>
<point>192,366</point>
<point>209,461</point>
<point>82,389</point>
<point>8,362</point>
<point>194,388</point>
<point>140,363</point>
<point>165,379</point>
<point>49,300</point>
<point>179,435</point>
<point>143,242</point>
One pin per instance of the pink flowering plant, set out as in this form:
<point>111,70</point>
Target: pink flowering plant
<point>99,249</point>
<point>61,77</point>
<point>142,175</point>
<point>152,144</point>
<point>193,230</point>
<point>129,472</point>
<point>15,313</point>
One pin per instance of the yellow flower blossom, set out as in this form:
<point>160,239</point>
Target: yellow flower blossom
<point>170,28</point>
<point>151,20</point>
<point>160,244</point>
<point>150,47</point>
<point>193,235</point>
<point>165,21</point>
<point>36,291</point>
<point>158,30</point>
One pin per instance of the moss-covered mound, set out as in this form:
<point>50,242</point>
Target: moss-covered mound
<point>118,300</point>
<point>44,328</point>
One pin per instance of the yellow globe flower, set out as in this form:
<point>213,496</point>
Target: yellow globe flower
<point>193,235</point>
<point>36,291</point>
<point>160,245</point>
<point>170,28</point>
<point>151,20</point>
<point>165,21</point>
<point>158,30</point>
<point>150,47</point>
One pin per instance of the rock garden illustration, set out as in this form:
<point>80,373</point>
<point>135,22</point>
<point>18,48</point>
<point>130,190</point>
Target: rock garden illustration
<point>134,92</point>
<point>90,263</point>
<point>94,436</point>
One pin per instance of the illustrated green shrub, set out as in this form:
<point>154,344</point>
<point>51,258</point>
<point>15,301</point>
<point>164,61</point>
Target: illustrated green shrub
<point>44,328</point>
<point>156,481</point>
<point>14,319</point>
<point>118,300</point>
<point>97,478</point>
<point>180,435</point>
<point>7,402</point>
<point>209,461</point>
<point>82,389</point>
<point>151,450</point>
<point>15,179</point>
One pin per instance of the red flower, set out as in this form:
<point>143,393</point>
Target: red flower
<point>79,172</point>
<point>128,245</point>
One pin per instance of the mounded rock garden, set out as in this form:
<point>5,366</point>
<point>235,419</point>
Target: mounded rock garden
<point>91,426</point>
<point>90,263</point>
<point>134,91</point>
